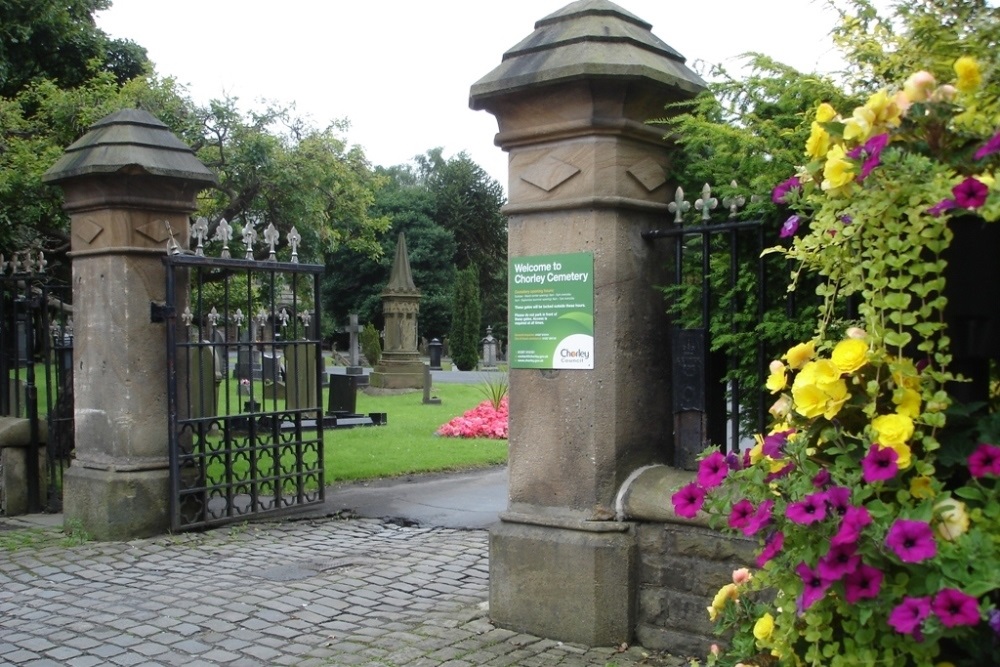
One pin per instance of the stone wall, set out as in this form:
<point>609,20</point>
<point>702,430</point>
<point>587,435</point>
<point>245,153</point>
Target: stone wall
<point>681,567</point>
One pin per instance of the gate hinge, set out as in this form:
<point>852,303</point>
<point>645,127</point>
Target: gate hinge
<point>159,312</point>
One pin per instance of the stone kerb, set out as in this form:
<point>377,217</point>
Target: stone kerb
<point>126,184</point>
<point>586,174</point>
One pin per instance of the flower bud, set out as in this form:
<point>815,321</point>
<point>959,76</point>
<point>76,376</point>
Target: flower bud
<point>945,93</point>
<point>918,87</point>
<point>857,333</point>
<point>741,576</point>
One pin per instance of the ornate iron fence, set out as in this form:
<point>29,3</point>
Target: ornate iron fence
<point>245,372</point>
<point>36,364</point>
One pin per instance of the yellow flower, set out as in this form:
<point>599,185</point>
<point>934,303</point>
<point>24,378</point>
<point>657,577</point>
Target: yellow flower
<point>885,109</point>
<point>825,113</point>
<point>904,456</point>
<point>920,487</point>
<point>850,355</point>
<point>954,519</point>
<point>838,170</point>
<point>726,593</point>
<point>859,126</point>
<point>817,390</point>
<point>892,429</point>
<point>818,142</point>
<point>798,355</point>
<point>907,402</point>
<point>713,613</point>
<point>757,451</point>
<point>967,70</point>
<point>764,627</point>
<point>777,380</point>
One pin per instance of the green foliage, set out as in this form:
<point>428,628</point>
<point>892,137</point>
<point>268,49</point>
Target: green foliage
<point>464,338</point>
<point>495,387</point>
<point>371,346</point>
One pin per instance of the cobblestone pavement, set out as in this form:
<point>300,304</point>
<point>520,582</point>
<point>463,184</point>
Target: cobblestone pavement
<point>333,591</point>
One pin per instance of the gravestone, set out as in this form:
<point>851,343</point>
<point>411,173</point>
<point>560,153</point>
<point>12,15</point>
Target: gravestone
<point>489,345</point>
<point>272,376</point>
<point>248,360</point>
<point>301,390</point>
<point>343,398</point>
<point>428,381</point>
<point>354,347</point>
<point>203,383</point>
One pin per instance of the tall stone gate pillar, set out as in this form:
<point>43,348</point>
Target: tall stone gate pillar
<point>127,183</point>
<point>587,174</point>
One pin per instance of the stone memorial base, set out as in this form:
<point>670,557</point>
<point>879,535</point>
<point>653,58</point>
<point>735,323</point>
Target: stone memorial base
<point>397,375</point>
<point>572,582</point>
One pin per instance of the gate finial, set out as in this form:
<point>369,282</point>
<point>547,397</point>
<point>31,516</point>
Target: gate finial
<point>679,206</point>
<point>706,202</point>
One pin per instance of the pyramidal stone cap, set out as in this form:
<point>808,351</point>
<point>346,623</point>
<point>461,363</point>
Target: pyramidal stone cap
<point>130,140</point>
<point>400,277</point>
<point>586,39</point>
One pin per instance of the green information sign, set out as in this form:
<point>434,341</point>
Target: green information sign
<point>552,311</point>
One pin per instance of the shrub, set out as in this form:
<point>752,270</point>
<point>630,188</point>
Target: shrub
<point>464,339</point>
<point>371,347</point>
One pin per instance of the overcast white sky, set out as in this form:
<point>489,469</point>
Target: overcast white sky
<point>400,70</point>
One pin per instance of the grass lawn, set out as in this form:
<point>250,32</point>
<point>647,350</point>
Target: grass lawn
<point>407,444</point>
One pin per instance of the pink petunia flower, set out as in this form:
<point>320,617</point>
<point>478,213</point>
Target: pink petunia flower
<point>781,191</point>
<point>985,461</point>
<point>839,561</point>
<point>813,585</point>
<point>907,616</point>
<point>821,479</point>
<point>911,541</point>
<point>789,227</point>
<point>761,518</point>
<point>939,208</point>
<point>864,583</point>
<point>771,548</point>
<point>688,500</point>
<point>712,470</point>
<point>872,154</point>
<point>740,514</point>
<point>990,147</point>
<point>879,464</point>
<point>954,607</point>
<point>838,498</point>
<point>855,518</point>
<point>970,193</point>
<point>809,510</point>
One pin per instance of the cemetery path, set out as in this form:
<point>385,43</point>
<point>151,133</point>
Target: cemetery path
<point>306,592</point>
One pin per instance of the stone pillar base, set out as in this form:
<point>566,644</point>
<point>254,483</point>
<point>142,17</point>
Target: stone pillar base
<point>117,505</point>
<point>574,583</point>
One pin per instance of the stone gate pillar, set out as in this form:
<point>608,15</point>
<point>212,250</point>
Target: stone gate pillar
<point>126,183</point>
<point>586,174</point>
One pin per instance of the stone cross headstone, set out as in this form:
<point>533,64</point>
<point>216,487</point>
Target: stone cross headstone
<point>489,349</point>
<point>248,360</point>
<point>354,348</point>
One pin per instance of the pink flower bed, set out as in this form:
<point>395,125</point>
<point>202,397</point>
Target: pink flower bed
<point>483,421</point>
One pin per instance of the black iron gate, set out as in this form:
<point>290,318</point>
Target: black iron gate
<point>36,364</point>
<point>245,371</point>
<point>720,263</point>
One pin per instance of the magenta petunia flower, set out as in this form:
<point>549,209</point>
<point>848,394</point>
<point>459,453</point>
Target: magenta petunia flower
<point>954,607</point>
<point>771,548</point>
<point>740,514</point>
<point>688,500</point>
<point>907,616</point>
<point>879,464</point>
<point>712,470</point>
<point>774,444</point>
<point>760,518</point>
<point>985,461</point>
<point>789,227</point>
<point>821,479</point>
<point>939,208</point>
<point>911,541</point>
<point>864,583</point>
<point>970,193</point>
<point>855,518</point>
<point>809,510</point>
<point>813,585</point>
<point>990,147</point>
<point>838,499</point>
<point>782,189</point>
<point>872,154</point>
<point>734,461</point>
<point>838,562</point>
